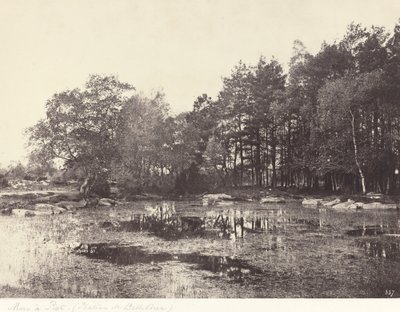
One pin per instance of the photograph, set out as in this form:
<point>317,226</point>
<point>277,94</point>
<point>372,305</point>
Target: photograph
<point>154,150</point>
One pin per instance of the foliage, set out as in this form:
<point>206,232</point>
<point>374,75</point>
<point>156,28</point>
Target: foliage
<point>333,121</point>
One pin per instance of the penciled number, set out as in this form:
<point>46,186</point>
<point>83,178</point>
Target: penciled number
<point>389,292</point>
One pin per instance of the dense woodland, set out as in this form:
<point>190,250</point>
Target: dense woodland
<point>331,123</point>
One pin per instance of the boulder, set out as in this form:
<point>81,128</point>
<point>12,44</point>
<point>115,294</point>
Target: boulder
<point>373,195</point>
<point>224,203</point>
<point>332,202</point>
<point>350,204</point>
<point>23,212</point>
<point>71,205</point>
<point>6,211</point>
<point>272,200</point>
<point>217,196</point>
<point>48,209</point>
<point>212,199</point>
<point>377,205</point>
<point>311,201</point>
<point>106,202</point>
<point>359,205</point>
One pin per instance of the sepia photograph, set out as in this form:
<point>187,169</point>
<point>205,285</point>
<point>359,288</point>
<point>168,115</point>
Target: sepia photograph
<point>169,149</point>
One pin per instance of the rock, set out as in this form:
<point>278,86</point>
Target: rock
<point>350,204</point>
<point>373,195</point>
<point>332,202</point>
<point>272,199</point>
<point>359,205</point>
<point>217,196</point>
<point>311,202</point>
<point>211,199</point>
<point>106,202</point>
<point>225,203</point>
<point>6,211</point>
<point>23,212</point>
<point>377,205</point>
<point>48,209</point>
<point>71,205</point>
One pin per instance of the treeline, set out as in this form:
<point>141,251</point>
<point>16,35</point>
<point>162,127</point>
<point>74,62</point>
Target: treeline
<point>333,123</point>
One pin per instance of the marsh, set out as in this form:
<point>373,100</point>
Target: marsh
<point>182,249</point>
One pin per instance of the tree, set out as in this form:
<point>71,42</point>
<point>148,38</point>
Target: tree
<point>145,139</point>
<point>342,102</point>
<point>80,128</point>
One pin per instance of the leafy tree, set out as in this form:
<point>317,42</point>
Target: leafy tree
<point>80,128</point>
<point>342,102</point>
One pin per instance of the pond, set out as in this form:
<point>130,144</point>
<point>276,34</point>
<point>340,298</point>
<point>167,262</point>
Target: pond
<point>182,249</point>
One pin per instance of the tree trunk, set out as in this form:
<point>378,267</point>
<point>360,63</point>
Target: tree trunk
<point>273,157</point>
<point>360,171</point>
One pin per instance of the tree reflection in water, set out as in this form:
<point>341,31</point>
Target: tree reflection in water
<point>231,268</point>
<point>388,249</point>
<point>164,222</point>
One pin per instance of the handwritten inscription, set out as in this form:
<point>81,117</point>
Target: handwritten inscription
<point>58,306</point>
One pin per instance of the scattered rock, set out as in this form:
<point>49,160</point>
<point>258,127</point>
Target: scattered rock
<point>311,202</point>
<point>71,205</point>
<point>373,195</point>
<point>23,212</point>
<point>217,196</point>
<point>106,202</point>
<point>377,205</point>
<point>225,203</point>
<point>41,196</point>
<point>359,205</point>
<point>392,235</point>
<point>212,199</point>
<point>272,199</point>
<point>332,202</point>
<point>6,211</point>
<point>350,204</point>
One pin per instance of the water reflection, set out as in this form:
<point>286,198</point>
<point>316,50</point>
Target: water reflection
<point>223,266</point>
<point>163,221</point>
<point>388,249</point>
<point>272,251</point>
<point>373,230</point>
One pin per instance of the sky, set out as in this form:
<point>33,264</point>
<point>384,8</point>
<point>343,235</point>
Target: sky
<point>182,47</point>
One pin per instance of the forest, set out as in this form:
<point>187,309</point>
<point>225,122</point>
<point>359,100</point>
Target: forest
<point>331,123</point>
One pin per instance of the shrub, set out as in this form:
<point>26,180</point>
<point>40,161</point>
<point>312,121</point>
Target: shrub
<point>101,187</point>
<point>3,182</point>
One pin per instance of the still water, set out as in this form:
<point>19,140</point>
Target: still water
<point>166,249</point>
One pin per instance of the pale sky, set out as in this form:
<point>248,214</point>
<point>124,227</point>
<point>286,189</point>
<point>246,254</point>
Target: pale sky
<point>181,46</point>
